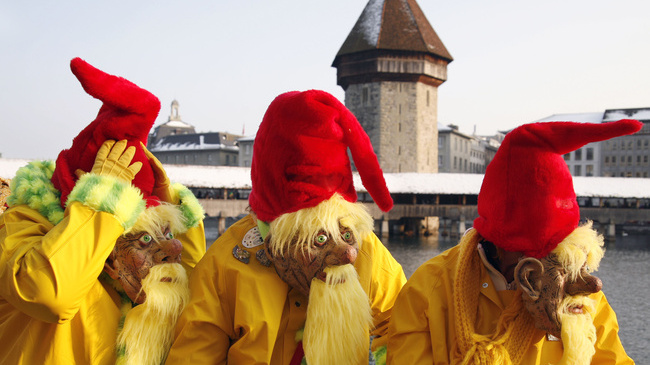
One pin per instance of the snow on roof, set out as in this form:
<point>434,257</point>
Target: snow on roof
<point>191,146</point>
<point>398,183</point>
<point>177,124</point>
<point>595,117</point>
<point>372,21</point>
<point>639,114</point>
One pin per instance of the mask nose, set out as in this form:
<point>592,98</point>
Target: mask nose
<point>585,284</point>
<point>172,251</point>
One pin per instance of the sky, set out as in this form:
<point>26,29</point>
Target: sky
<point>515,62</point>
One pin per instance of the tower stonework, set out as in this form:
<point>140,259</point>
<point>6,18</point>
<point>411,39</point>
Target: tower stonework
<point>390,67</point>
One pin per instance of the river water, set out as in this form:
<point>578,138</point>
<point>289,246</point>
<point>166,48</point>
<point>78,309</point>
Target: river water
<point>624,271</point>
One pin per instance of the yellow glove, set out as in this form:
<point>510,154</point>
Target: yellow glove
<point>113,160</point>
<point>161,186</point>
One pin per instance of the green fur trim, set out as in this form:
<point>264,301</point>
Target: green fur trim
<point>299,334</point>
<point>110,195</point>
<point>32,186</point>
<point>189,205</point>
<point>380,355</point>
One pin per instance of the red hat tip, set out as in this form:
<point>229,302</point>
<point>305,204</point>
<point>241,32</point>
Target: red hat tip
<point>527,202</point>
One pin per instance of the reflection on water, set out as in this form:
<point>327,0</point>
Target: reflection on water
<point>625,272</point>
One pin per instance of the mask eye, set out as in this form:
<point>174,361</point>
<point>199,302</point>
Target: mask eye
<point>145,240</point>
<point>321,239</point>
<point>347,236</point>
<point>169,235</point>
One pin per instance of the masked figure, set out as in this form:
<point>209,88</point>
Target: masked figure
<point>518,288</point>
<point>95,249</point>
<point>4,193</point>
<point>302,277</point>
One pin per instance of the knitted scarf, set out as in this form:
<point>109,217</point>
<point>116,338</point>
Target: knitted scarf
<point>515,327</point>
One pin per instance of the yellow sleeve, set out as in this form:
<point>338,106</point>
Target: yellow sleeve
<point>46,271</point>
<point>609,349</point>
<point>193,246</point>
<point>387,279</point>
<point>409,333</point>
<point>199,339</point>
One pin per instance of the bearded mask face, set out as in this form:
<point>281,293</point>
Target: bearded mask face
<point>300,266</point>
<point>135,254</point>
<point>550,291</point>
<point>558,285</point>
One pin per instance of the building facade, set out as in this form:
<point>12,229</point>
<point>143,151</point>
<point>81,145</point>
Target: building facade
<point>246,151</point>
<point>390,67</point>
<point>463,153</point>
<point>627,156</point>
<point>177,143</point>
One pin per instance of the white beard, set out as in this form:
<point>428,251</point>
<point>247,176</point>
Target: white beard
<point>338,319</point>
<point>578,332</point>
<point>149,327</point>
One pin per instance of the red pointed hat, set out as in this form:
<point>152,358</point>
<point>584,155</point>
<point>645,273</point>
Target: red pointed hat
<point>128,113</point>
<point>300,156</point>
<point>527,202</point>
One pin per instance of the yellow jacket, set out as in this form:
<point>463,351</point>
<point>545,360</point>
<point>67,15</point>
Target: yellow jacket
<point>243,313</point>
<point>53,308</point>
<point>422,327</point>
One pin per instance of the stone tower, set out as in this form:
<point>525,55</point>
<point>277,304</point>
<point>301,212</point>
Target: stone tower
<point>390,67</point>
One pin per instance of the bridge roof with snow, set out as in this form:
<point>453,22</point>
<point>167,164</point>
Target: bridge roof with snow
<point>218,177</point>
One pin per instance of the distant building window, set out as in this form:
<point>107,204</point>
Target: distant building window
<point>440,163</point>
<point>209,157</point>
<point>567,156</point>
<point>590,154</point>
<point>629,160</point>
<point>606,159</point>
<point>227,160</point>
<point>364,96</point>
<point>638,143</point>
<point>247,149</point>
<point>613,159</point>
<point>638,159</point>
<point>577,170</point>
<point>455,164</point>
<point>614,145</point>
<point>645,159</point>
<point>589,170</point>
<point>578,155</point>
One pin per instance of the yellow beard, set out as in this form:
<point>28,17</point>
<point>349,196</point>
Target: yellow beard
<point>578,332</point>
<point>338,319</point>
<point>149,328</point>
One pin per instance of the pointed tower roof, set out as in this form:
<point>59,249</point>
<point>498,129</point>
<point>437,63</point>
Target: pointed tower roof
<point>398,25</point>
